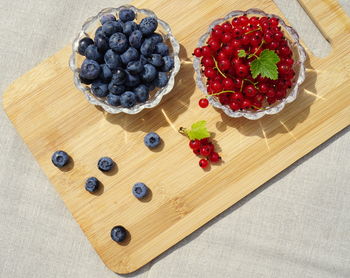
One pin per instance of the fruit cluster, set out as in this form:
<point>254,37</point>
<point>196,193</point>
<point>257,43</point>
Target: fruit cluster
<point>206,149</point>
<point>125,61</point>
<point>247,62</point>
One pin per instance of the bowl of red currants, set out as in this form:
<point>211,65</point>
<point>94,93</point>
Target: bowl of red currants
<point>249,64</point>
<point>125,59</point>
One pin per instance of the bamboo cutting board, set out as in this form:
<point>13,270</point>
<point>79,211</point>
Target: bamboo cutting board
<point>51,114</point>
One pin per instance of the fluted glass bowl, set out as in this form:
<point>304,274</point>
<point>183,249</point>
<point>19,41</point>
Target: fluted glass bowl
<point>88,30</point>
<point>299,57</point>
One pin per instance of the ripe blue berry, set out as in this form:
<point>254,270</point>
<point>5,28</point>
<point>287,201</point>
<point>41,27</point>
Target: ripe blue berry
<point>118,233</point>
<point>99,89</point>
<point>92,53</point>
<point>92,184</point>
<point>118,42</point>
<point>105,164</point>
<point>168,63</point>
<point>129,27</point>
<point>147,47</point>
<point>126,15</point>
<point>135,39</point>
<point>113,100</point>
<point>90,69</point>
<point>149,73</point>
<point>112,59</point>
<point>106,73</point>
<point>140,190</point>
<point>162,49</point>
<point>60,159</point>
<point>128,99</point>
<point>152,140</point>
<point>135,67</point>
<point>132,80</point>
<point>141,93</point>
<point>83,44</point>
<point>162,79</point>
<point>156,60</point>
<point>107,17</point>
<point>129,55</point>
<point>156,37</point>
<point>148,25</point>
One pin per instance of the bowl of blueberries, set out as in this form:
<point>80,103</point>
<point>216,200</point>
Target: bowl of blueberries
<point>125,59</point>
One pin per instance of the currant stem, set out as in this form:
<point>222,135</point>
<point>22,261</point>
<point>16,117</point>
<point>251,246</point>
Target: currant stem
<point>254,83</point>
<point>251,31</point>
<point>183,131</point>
<point>219,93</point>
<point>216,67</point>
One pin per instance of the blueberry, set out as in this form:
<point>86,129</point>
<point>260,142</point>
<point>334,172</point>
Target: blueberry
<point>116,89</point>
<point>101,43</point>
<point>119,76</point>
<point>156,60</point>
<point>118,233</point>
<point>140,190</point>
<point>151,140</point>
<point>83,44</point>
<point>148,25</point>
<point>149,73</point>
<point>129,27</point>
<point>130,55</point>
<point>118,42</point>
<point>143,60</point>
<point>90,69</point>
<point>132,80</point>
<point>156,37</point>
<point>147,47</point>
<point>162,49</point>
<point>118,25</point>
<point>151,85</point>
<point>85,80</point>
<point>105,164</point>
<point>128,99</point>
<point>126,15</point>
<point>92,53</point>
<point>113,100</point>
<point>92,184</point>
<point>162,79</point>
<point>60,159</point>
<point>112,59</point>
<point>107,17</point>
<point>135,67</point>
<point>106,73</point>
<point>135,39</point>
<point>99,89</point>
<point>141,93</point>
<point>109,28</point>
<point>168,63</point>
<point>98,31</point>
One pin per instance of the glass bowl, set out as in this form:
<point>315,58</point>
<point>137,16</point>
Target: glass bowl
<point>299,57</point>
<point>88,30</point>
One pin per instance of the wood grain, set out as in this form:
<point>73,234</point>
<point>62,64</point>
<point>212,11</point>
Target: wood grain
<point>50,114</point>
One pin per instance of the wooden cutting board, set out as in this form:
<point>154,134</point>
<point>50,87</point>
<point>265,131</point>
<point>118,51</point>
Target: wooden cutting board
<point>51,114</point>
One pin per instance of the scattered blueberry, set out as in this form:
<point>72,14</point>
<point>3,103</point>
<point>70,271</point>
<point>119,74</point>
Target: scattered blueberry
<point>116,89</point>
<point>113,100</point>
<point>149,73</point>
<point>130,55</point>
<point>156,37</point>
<point>118,42</point>
<point>106,73</point>
<point>132,80</point>
<point>162,79</point>
<point>162,49</point>
<point>99,89</point>
<point>109,28</point>
<point>148,25</point>
<point>83,44</point>
<point>129,27</point>
<point>101,43</point>
<point>141,93</point>
<point>135,39</point>
<point>128,99</point>
<point>140,190</point>
<point>92,184</point>
<point>126,15</point>
<point>147,47</point>
<point>105,164</point>
<point>92,53</point>
<point>60,159</point>
<point>151,140</point>
<point>135,67</point>
<point>119,76</point>
<point>90,69</point>
<point>156,60</point>
<point>118,233</point>
<point>107,17</point>
<point>168,63</point>
<point>112,59</point>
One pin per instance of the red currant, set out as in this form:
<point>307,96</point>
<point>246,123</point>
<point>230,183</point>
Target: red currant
<point>242,70</point>
<point>198,52</point>
<point>203,163</point>
<point>237,32</point>
<point>224,98</point>
<point>217,33</point>
<point>208,62</point>
<point>224,64</point>
<point>195,144</point>
<point>204,141</point>
<point>246,104</point>
<point>214,157</point>
<point>206,51</point>
<point>203,102</point>
<point>205,150</point>
<point>237,97</point>
<point>214,45</point>
<point>209,72</point>
<point>234,106</point>
<point>227,37</point>
<point>227,27</point>
<point>197,152</point>
<point>263,88</point>
<point>216,86</point>
<point>237,83</point>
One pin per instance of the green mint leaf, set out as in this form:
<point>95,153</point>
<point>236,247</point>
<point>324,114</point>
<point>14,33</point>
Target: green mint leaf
<point>198,131</point>
<point>265,65</point>
<point>242,53</point>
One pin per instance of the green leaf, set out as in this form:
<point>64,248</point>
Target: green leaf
<point>198,131</point>
<point>265,65</point>
<point>242,53</point>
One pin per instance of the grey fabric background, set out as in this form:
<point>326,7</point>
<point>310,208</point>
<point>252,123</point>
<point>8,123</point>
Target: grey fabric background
<point>296,225</point>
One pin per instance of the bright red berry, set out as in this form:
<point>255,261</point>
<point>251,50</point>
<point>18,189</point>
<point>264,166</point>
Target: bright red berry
<point>237,97</point>
<point>216,86</point>
<point>227,37</point>
<point>195,144</point>
<point>205,150</point>
<point>242,70</point>
<point>197,152</point>
<point>209,72</point>
<point>234,106</point>
<point>198,52</point>
<point>203,163</point>
<point>214,45</point>
<point>224,64</point>
<point>228,83</point>
<point>204,141</point>
<point>246,104</point>
<point>249,90</point>
<point>214,157</point>
<point>203,102</point>
<point>208,61</point>
<point>217,33</point>
<point>263,88</point>
<point>206,51</point>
